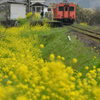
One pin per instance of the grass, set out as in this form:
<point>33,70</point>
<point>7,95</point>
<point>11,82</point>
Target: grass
<point>87,27</point>
<point>57,43</point>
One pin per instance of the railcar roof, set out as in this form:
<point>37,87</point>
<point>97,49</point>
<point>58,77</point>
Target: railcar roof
<point>66,3</point>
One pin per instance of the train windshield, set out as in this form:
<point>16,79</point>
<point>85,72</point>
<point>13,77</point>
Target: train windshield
<point>66,9</point>
<point>61,8</point>
<point>71,8</point>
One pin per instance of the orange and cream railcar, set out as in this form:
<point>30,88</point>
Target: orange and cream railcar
<point>65,11</point>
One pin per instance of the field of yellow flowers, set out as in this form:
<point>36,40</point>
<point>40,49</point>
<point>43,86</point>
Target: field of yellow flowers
<point>24,75</point>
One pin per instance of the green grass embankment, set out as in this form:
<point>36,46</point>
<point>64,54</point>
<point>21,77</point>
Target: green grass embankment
<point>87,27</point>
<point>57,43</point>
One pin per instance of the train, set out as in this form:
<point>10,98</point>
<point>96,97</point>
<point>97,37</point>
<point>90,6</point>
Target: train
<point>65,12</point>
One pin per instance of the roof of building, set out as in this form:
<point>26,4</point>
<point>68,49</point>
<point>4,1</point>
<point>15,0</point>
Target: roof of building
<point>66,3</point>
<point>39,4</point>
<point>16,2</point>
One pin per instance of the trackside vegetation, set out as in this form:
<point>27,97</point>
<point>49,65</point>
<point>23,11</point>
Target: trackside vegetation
<point>40,63</point>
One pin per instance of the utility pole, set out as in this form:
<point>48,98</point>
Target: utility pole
<point>28,1</point>
<point>29,5</point>
<point>52,10</point>
<point>85,19</point>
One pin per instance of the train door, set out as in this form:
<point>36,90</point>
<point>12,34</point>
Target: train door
<point>66,12</point>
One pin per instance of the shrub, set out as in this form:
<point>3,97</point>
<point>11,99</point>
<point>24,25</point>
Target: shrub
<point>48,15</point>
<point>29,15</point>
<point>36,16</point>
<point>22,21</point>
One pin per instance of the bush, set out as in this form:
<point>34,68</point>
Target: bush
<point>29,15</point>
<point>22,21</point>
<point>95,17</point>
<point>36,16</point>
<point>83,15</point>
<point>48,15</point>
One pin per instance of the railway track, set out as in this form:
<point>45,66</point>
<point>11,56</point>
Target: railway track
<point>89,33</point>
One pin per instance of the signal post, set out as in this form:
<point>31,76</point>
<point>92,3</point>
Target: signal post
<point>52,10</point>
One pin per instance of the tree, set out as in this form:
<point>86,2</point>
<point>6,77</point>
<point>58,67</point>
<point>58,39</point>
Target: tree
<point>5,9</point>
<point>82,13</point>
<point>95,17</point>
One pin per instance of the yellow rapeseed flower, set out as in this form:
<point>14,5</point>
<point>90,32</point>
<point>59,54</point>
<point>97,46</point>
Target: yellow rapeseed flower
<point>0,80</point>
<point>52,57</point>
<point>21,98</point>
<point>72,78</point>
<point>79,74</point>
<point>74,60</point>
<point>58,57</point>
<point>86,67</point>
<point>99,77</point>
<point>96,50</point>
<point>62,58</point>
<point>33,85</point>
<point>44,97</point>
<point>1,75</point>
<point>9,82</point>
<point>48,97</point>
<point>42,88</point>
<point>14,77</point>
<point>10,73</point>
<point>41,45</point>
<point>48,90</point>
<point>94,67</point>
<point>34,97</point>
<point>6,76</point>
<point>98,69</point>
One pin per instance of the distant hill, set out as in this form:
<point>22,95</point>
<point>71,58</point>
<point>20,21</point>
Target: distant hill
<point>82,3</point>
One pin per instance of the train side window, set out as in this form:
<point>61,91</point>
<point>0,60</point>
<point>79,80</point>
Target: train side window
<point>61,8</point>
<point>71,8</point>
<point>66,9</point>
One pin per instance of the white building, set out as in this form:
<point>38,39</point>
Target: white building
<point>38,5</point>
<point>15,9</point>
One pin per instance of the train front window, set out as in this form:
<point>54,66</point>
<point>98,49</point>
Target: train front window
<point>71,8</point>
<point>61,8</point>
<point>66,9</point>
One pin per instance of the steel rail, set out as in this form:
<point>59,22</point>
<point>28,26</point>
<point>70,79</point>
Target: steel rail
<point>83,31</point>
<point>86,30</point>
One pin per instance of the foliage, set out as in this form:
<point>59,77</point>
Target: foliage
<point>29,15</point>
<point>36,16</point>
<point>95,17</point>
<point>83,15</point>
<point>48,15</point>
<point>91,17</point>
<point>22,21</point>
